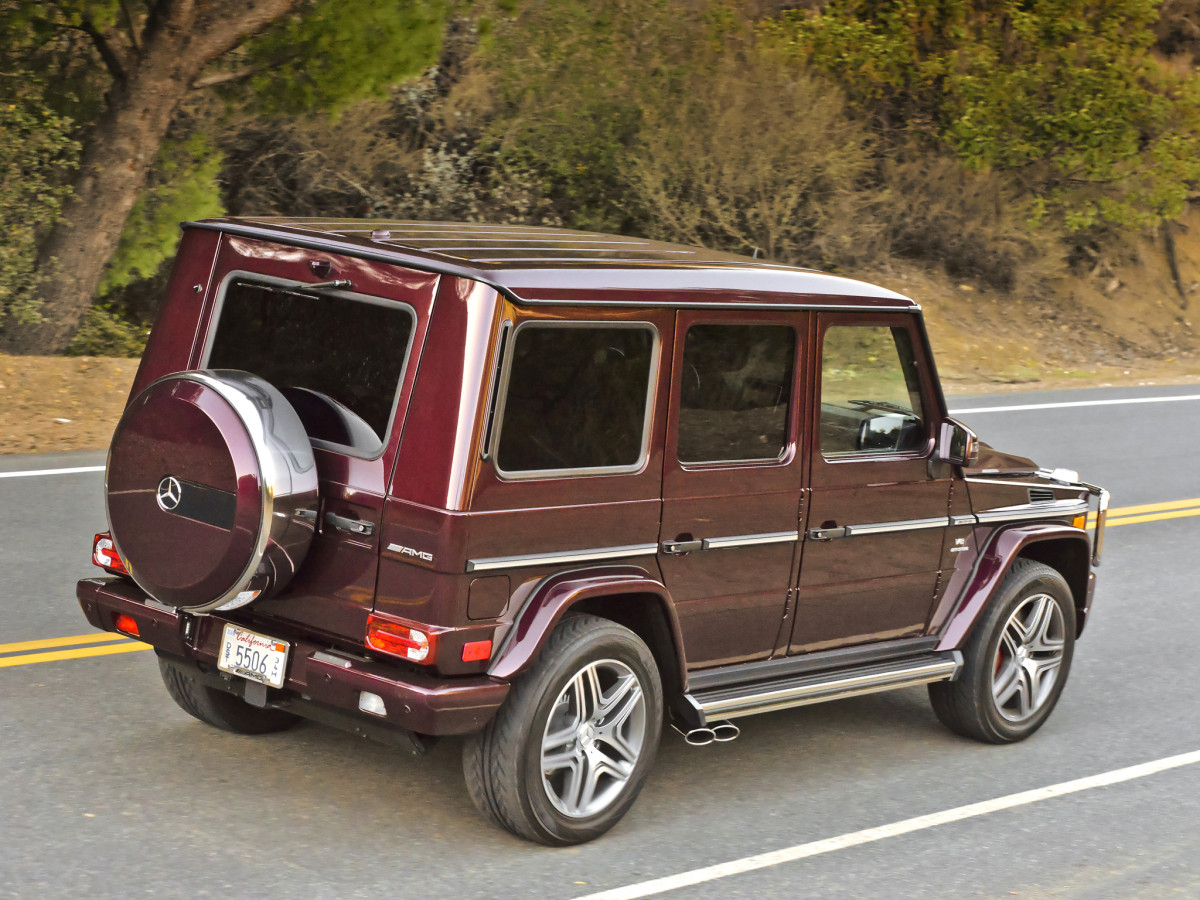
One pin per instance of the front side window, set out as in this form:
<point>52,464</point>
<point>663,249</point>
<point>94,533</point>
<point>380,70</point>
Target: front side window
<point>576,398</point>
<point>337,359</point>
<point>735,392</point>
<point>870,392</point>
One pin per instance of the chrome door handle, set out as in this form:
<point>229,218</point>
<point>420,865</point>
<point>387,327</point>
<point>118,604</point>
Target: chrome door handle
<point>678,548</point>
<point>352,526</point>
<point>826,534</point>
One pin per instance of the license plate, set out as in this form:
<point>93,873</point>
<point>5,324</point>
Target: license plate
<point>253,656</point>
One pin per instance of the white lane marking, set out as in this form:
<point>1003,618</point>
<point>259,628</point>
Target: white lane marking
<point>1027,406</point>
<point>869,835</point>
<point>32,472</point>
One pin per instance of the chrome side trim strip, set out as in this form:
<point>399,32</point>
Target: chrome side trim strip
<point>491,563</point>
<point>1009,482</point>
<point>749,540</point>
<point>1058,510</point>
<point>904,525</point>
<point>836,688</point>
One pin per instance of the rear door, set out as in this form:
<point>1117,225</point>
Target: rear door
<point>732,478</point>
<point>878,512</point>
<point>345,359</point>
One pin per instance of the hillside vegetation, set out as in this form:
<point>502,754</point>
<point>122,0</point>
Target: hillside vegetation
<point>1023,167</point>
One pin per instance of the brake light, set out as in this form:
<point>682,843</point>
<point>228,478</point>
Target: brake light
<point>400,639</point>
<point>104,554</point>
<point>126,625</point>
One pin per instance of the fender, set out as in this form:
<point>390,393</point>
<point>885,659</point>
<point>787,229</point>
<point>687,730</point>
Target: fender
<point>1003,547</point>
<point>549,599</point>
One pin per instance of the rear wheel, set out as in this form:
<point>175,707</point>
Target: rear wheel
<point>219,709</point>
<point>568,753</point>
<point>1016,662</point>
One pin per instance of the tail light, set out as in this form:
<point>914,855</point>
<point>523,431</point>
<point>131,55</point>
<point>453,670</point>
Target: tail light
<point>398,638</point>
<point>104,554</point>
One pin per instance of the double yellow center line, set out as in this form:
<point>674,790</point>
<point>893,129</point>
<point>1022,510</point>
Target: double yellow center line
<point>1151,512</point>
<point>26,653</point>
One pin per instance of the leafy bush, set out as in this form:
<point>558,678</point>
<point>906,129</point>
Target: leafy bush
<point>37,155</point>
<point>753,156</point>
<point>1065,92</point>
<point>106,333</point>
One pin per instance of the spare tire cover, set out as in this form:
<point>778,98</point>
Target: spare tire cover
<point>211,489</point>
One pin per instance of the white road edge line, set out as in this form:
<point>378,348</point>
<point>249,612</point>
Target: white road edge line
<point>32,472</point>
<point>1028,406</point>
<point>869,835</point>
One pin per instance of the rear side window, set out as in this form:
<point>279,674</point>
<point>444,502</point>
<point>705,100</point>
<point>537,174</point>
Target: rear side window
<point>576,398</point>
<point>735,392</point>
<point>337,359</point>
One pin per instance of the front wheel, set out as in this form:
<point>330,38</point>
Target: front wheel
<point>568,753</point>
<point>1016,662</point>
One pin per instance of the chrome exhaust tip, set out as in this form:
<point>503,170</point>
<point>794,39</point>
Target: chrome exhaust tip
<point>721,732</point>
<point>724,732</point>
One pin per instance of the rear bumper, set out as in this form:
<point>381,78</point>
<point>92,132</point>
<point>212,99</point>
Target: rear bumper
<point>321,683</point>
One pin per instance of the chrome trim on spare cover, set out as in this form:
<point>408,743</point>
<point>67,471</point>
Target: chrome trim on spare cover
<point>749,540</point>
<point>491,563</point>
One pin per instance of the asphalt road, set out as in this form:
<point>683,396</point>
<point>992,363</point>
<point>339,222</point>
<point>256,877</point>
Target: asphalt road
<point>107,789</point>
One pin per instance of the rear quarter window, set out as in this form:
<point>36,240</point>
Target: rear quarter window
<point>576,399</point>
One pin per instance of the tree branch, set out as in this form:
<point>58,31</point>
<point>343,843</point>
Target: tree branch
<point>112,59</point>
<point>225,77</point>
<point>131,27</point>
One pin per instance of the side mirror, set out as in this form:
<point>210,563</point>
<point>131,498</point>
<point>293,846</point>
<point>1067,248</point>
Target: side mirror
<point>957,444</point>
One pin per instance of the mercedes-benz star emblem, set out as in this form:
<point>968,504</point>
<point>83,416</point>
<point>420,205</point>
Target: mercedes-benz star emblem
<point>169,492</point>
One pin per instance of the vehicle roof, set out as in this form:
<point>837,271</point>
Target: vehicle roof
<point>557,265</point>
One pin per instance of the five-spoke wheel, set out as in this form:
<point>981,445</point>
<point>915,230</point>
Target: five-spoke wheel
<point>567,754</point>
<point>1016,661</point>
<point>593,738</point>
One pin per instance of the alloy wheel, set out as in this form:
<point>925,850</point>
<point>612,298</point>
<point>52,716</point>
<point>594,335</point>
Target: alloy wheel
<point>1028,658</point>
<point>593,738</point>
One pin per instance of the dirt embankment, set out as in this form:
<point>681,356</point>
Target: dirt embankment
<point>1124,322</point>
<point>61,403</point>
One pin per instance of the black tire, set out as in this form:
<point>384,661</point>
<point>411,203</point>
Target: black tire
<point>503,763</point>
<point>969,705</point>
<point>219,709</point>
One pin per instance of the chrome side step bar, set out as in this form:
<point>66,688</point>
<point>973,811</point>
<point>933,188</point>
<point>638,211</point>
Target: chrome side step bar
<point>768,696</point>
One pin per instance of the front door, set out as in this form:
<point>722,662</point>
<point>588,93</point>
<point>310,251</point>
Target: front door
<point>878,509</point>
<point>731,481</point>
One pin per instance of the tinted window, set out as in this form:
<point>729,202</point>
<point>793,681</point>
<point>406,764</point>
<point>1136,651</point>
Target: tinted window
<point>576,398</point>
<point>870,392</point>
<point>337,360</point>
<point>735,392</point>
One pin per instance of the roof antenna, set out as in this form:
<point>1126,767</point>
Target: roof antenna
<point>755,256</point>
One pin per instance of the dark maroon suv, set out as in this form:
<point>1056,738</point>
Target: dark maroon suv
<point>553,490</point>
